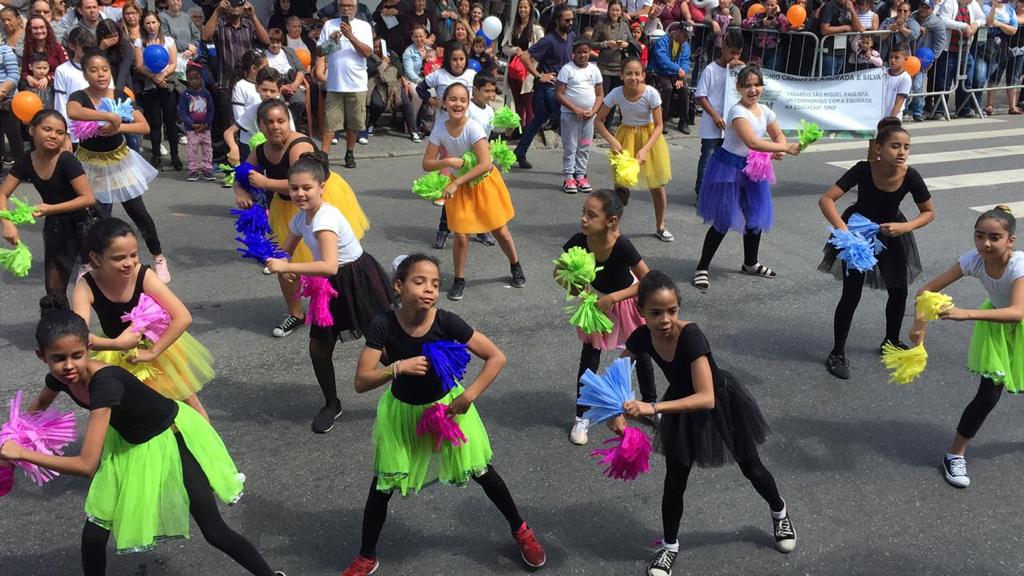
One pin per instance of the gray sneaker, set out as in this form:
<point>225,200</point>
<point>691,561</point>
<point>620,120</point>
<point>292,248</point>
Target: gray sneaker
<point>955,469</point>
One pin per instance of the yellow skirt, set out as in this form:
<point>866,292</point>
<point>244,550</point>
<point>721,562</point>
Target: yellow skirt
<point>481,207</point>
<point>337,193</point>
<point>657,171</point>
<point>178,373</point>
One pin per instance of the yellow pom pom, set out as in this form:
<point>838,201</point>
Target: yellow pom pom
<point>929,304</point>
<point>905,365</point>
<point>625,169</point>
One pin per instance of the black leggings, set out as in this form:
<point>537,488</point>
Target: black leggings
<point>677,474</point>
<point>321,352</point>
<point>976,412</point>
<point>158,106</point>
<point>376,510</point>
<point>136,210</point>
<point>12,132</point>
<point>203,509</point>
<point>713,239</point>
<point>853,285</point>
<point>590,357</point>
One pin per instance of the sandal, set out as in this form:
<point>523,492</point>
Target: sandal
<point>1015,111</point>
<point>700,280</point>
<point>989,110</point>
<point>758,270</point>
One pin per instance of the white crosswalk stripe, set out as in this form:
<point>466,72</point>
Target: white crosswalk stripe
<point>823,147</point>
<point>944,157</point>
<point>1016,207</point>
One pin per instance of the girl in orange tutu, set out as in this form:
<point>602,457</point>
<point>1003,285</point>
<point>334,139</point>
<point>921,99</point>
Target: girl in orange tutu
<point>478,200</point>
<point>176,365</point>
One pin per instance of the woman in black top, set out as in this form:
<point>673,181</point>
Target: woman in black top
<point>151,461</point>
<point>881,187</point>
<point>68,202</point>
<point>709,418</point>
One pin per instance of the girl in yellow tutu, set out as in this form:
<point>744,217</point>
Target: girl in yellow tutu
<point>641,135</point>
<point>175,365</point>
<point>283,147</point>
<point>478,200</point>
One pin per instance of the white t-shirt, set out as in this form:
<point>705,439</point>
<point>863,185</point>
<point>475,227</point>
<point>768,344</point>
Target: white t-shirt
<point>472,133</point>
<point>579,84</point>
<point>249,126</point>
<point>279,61</point>
<point>732,141</point>
<point>439,80</point>
<point>637,113</point>
<point>67,79</point>
<point>295,43</point>
<point>893,86</point>
<point>327,218</point>
<point>999,289</point>
<point>482,116</point>
<point>346,68</point>
<point>712,86</point>
<point>243,95</point>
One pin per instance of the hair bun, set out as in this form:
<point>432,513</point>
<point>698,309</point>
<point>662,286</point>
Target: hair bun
<point>1003,208</point>
<point>53,303</point>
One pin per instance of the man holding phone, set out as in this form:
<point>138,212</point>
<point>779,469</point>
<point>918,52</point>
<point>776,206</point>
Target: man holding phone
<point>342,49</point>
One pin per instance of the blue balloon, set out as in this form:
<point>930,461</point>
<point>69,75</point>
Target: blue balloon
<point>155,58</point>
<point>925,55</point>
<point>487,41</point>
<point>475,65</point>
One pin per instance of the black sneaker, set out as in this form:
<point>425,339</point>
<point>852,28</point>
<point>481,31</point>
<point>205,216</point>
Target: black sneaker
<point>837,366</point>
<point>899,344</point>
<point>955,470</point>
<point>518,278</point>
<point>287,326</point>
<point>441,240</point>
<point>684,128</point>
<point>176,164</point>
<point>326,417</point>
<point>458,287</point>
<point>486,239</point>
<point>785,535</point>
<point>662,563</point>
<point>350,159</point>
<point>523,162</point>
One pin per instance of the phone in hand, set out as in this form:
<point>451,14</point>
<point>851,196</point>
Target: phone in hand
<point>345,18</point>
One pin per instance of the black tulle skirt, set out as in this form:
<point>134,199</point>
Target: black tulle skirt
<point>729,432</point>
<point>363,293</point>
<point>64,238</point>
<point>898,265</point>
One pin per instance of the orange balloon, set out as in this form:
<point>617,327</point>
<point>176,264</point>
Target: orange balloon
<point>912,65</point>
<point>25,105</point>
<point>128,92</point>
<point>756,9</point>
<point>304,56</point>
<point>796,15</point>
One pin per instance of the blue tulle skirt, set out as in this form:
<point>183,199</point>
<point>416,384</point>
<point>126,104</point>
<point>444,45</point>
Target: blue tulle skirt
<point>729,200</point>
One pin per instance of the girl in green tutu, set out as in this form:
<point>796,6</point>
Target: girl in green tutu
<point>997,345</point>
<point>153,461</point>
<point>405,461</point>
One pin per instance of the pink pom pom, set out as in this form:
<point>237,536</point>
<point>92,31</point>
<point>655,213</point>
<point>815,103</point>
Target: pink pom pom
<point>759,167</point>
<point>320,292</point>
<point>149,318</point>
<point>46,432</point>
<point>629,458</point>
<point>436,421</point>
<point>6,479</point>
<point>86,129</point>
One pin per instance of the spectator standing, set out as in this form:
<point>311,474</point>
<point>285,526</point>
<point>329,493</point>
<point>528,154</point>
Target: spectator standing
<point>412,74</point>
<point>41,8</point>
<point>611,38</point>
<point>344,45</point>
<point>1015,61</point>
<point>41,40</point>
<point>966,18</point>
<point>283,10</point>
<point>293,73</point>
<point>119,52</point>
<point>525,32</point>
<point>295,39</point>
<point>39,80</point>
<point>179,26</point>
<point>196,110</point>
<point>476,19</point>
<point>638,8</point>
<point>902,27</point>
<point>669,71</point>
<point>1002,25</point>
<point>386,23</point>
<point>68,78</point>
<point>766,44</point>
<point>14,31</point>
<point>10,73</point>
<point>933,36</point>
<point>579,90</point>
<point>674,11</point>
<point>445,13</point>
<point>131,23</point>
<point>418,16</point>
<point>157,99</point>
<point>86,14</point>
<point>837,17</point>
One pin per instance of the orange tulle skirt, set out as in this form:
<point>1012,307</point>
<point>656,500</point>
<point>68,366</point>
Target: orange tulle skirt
<point>480,207</point>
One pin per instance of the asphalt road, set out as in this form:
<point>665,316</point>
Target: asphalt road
<point>857,461</point>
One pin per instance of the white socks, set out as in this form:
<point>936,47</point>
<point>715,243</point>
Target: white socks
<point>674,547</point>
<point>781,513</point>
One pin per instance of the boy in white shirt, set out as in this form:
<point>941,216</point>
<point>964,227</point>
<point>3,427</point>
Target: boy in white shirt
<point>579,89</point>
<point>710,96</point>
<point>896,82</point>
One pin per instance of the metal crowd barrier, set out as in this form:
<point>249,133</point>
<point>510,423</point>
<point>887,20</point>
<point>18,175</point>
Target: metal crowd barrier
<point>990,66</point>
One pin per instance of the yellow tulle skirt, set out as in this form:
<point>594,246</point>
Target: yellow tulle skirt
<point>337,193</point>
<point>480,207</point>
<point>178,373</point>
<point>657,170</point>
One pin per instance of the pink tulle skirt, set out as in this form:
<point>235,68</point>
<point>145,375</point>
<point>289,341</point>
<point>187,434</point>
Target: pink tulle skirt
<point>626,318</point>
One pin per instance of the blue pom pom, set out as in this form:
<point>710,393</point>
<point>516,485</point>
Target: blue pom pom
<point>867,229</point>
<point>449,360</point>
<point>122,108</point>
<point>252,221</point>
<point>606,393</point>
<point>242,176</point>
<point>260,248</point>
<point>854,249</point>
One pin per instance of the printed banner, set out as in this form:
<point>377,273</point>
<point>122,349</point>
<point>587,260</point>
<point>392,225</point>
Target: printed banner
<point>848,103</point>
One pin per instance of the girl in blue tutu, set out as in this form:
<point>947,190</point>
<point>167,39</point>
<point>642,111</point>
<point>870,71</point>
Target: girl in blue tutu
<point>728,199</point>
<point>152,461</point>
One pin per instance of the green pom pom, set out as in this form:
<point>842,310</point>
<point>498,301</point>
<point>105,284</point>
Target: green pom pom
<point>502,156</point>
<point>576,268</point>
<point>229,174</point>
<point>257,139</point>
<point>22,213</point>
<point>506,119</point>
<point>469,162</point>
<point>808,133</point>
<point>18,261</point>
<point>431,186</point>
<point>587,317</point>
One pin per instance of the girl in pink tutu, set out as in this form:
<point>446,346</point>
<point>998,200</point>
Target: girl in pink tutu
<point>620,268</point>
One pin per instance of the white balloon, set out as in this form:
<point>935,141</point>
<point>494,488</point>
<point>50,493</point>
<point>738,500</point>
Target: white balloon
<point>492,27</point>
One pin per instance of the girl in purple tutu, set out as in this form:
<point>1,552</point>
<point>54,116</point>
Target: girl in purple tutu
<point>620,268</point>
<point>729,200</point>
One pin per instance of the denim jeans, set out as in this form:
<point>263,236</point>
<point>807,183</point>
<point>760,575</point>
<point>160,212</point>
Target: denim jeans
<point>969,82</point>
<point>916,87</point>
<point>707,148</point>
<point>544,107</point>
<point>833,63</point>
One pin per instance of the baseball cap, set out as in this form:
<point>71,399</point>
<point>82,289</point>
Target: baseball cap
<point>927,4</point>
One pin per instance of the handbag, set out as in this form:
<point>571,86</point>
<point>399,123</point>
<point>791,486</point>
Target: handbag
<point>516,69</point>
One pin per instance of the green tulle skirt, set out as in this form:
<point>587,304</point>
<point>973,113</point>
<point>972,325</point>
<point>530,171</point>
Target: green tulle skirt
<point>997,352</point>
<point>138,492</point>
<point>406,462</point>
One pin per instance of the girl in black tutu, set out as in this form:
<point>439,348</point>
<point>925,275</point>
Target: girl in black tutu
<point>708,417</point>
<point>881,186</point>
<point>360,282</point>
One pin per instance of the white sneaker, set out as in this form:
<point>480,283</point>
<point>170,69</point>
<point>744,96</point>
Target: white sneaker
<point>183,140</point>
<point>363,140</point>
<point>160,267</point>
<point>955,469</point>
<point>164,151</point>
<point>83,269</point>
<point>578,434</point>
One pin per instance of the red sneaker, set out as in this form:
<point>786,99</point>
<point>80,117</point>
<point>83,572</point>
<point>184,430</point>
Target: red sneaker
<point>362,566</point>
<point>529,547</point>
